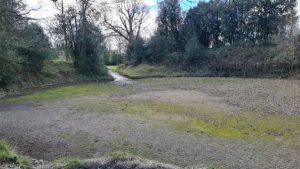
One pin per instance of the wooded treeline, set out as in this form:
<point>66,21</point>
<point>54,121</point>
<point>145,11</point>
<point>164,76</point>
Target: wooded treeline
<point>83,39</point>
<point>24,46</point>
<point>222,36</point>
<point>247,37</point>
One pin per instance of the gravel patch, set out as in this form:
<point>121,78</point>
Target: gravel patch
<point>55,129</point>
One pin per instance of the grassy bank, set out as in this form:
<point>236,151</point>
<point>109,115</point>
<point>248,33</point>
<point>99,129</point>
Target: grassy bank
<point>65,92</point>
<point>7,155</point>
<point>150,71</point>
<point>146,71</point>
<point>54,73</point>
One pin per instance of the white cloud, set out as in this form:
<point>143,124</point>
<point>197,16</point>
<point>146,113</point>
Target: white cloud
<point>150,2</point>
<point>298,7</point>
<point>47,10</point>
<point>151,22</point>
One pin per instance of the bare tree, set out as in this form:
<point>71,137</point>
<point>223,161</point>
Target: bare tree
<point>67,21</point>
<point>13,11</point>
<point>125,19</point>
<point>61,28</point>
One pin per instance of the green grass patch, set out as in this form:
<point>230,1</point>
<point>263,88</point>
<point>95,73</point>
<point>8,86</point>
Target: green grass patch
<point>254,126</point>
<point>150,71</point>
<point>66,92</point>
<point>7,155</point>
<point>212,120</point>
<point>113,68</point>
<point>68,163</point>
<point>146,71</point>
<point>218,121</point>
<point>54,73</point>
<point>60,71</point>
<point>196,82</point>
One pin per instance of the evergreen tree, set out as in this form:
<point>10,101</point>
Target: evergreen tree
<point>169,22</point>
<point>158,48</point>
<point>204,22</point>
<point>88,44</point>
<point>193,52</point>
<point>23,46</point>
<point>11,22</point>
<point>88,49</point>
<point>138,50</point>
<point>238,20</point>
<point>36,50</point>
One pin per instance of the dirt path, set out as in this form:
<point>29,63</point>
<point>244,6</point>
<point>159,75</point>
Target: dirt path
<point>96,125</point>
<point>119,79</point>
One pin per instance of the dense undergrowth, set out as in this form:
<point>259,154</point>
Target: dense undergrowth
<point>7,155</point>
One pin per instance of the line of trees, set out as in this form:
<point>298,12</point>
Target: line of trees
<point>24,46</point>
<point>79,28</point>
<point>83,41</point>
<point>126,19</point>
<point>121,19</point>
<point>234,35</point>
<point>220,35</point>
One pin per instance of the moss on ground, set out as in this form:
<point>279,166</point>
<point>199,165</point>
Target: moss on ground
<point>196,82</point>
<point>7,155</point>
<point>251,126</point>
<point>211,120</point>
<point>66,92</point>
<point>214,121</point>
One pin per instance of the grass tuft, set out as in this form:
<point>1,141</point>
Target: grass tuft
<point>121,155</point>
<point>68,163</point>
<point>7,155</point>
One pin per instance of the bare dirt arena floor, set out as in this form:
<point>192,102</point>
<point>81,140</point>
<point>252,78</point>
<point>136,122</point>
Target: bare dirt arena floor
<point>200,122</point>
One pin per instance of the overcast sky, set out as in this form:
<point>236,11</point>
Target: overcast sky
<point>48,8</point>
<point>47,11</point>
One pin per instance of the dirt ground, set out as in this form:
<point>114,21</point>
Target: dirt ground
<point>146,119</point>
